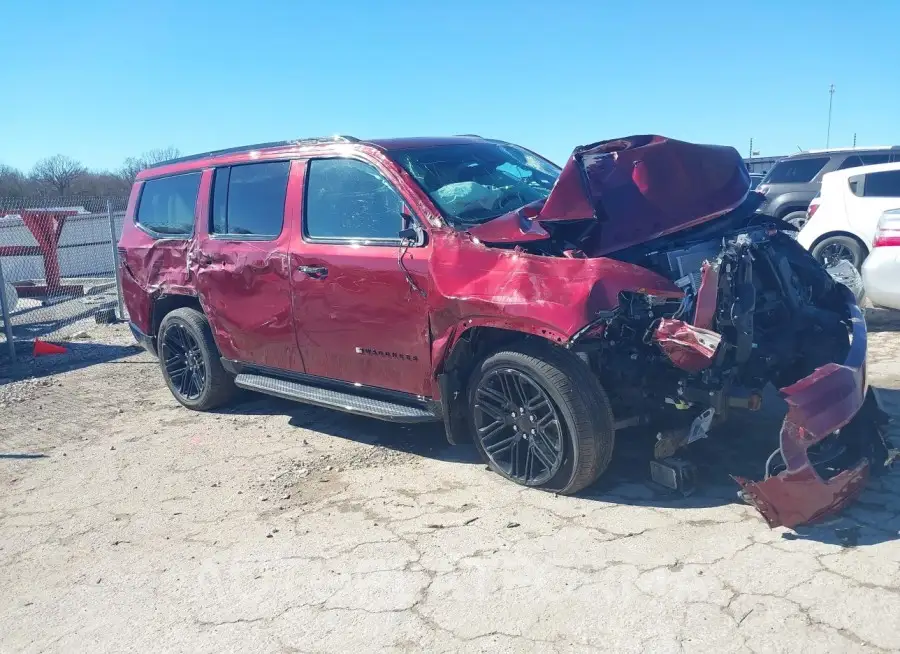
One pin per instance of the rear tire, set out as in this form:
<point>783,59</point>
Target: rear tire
<point>796,218</point>
<point>840,247</point>
<point>563,423</point>
<point>190,363</point>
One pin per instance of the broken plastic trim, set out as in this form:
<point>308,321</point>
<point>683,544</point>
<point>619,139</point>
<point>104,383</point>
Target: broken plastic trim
<point>593,328</point>
<point>827,400</point>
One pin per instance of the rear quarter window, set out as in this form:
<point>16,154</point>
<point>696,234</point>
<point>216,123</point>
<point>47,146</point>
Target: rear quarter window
<point>796,171</point>
<point>166,206</point>
<point>882,185</point>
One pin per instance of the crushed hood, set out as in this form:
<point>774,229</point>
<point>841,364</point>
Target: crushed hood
<point>639,188</point>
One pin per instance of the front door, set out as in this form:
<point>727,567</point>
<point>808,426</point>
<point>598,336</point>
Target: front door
<point>360,309</point>
<point>242,263</point>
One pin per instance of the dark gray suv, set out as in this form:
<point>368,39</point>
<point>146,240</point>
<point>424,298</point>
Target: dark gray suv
<point>794,181</point>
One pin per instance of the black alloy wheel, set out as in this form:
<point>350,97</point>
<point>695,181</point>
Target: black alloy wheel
<point>183,362</point>
<point>518,426</point>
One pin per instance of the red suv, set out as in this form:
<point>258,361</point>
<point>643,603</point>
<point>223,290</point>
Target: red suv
<point>538,311</point>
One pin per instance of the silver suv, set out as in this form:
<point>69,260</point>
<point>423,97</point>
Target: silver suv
<point>794,181</point>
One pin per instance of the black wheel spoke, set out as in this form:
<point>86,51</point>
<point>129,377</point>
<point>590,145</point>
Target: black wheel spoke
<point>518,426</point>
<point>488,432</point>
<point>194,383</point>
<point>183,362</point>
<point>545,457</point>
<point>538,403</point>
<point>492,403</point>
<point>505,388</point>
<point>501,446</point>
<point>514,458</point>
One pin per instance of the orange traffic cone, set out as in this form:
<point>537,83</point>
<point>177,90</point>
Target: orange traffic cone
<point>42,347</point>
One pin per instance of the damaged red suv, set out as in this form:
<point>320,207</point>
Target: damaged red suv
<point>534,310</point>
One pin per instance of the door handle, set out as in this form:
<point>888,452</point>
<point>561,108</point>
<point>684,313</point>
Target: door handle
<point>203,259</point>
<point>316,272</point>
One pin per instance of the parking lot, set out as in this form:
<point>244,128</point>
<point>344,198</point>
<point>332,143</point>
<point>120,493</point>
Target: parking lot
<point>131,524</point>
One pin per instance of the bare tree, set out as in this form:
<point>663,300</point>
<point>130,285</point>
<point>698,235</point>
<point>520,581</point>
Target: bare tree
<point>99,184</point>
<point>12,182</point>
<point>133,165</point>
<point>58,171</point>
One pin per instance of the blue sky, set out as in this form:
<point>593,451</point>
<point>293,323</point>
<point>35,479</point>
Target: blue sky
<point>102,80</point>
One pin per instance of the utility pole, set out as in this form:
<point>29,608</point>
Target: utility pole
<point>854,139</point>
<point>751,146</point>
<point>830,101</point>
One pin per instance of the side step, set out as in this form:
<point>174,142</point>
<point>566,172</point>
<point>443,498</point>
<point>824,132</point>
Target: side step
<point>332,399</point>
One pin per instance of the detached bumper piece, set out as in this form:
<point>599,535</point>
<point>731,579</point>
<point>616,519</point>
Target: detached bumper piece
<point>832,398</point>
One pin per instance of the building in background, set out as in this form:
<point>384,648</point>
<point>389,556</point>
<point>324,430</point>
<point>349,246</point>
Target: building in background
<point>761,165</point>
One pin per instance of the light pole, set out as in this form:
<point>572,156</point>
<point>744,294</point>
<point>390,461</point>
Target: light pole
<point>830,100</point>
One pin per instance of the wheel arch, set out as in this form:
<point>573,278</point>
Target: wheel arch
<point>166,304</point>
<point>467,344</point>
<point>475,337</point>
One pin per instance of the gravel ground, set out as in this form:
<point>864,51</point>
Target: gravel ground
<point>128,523</point>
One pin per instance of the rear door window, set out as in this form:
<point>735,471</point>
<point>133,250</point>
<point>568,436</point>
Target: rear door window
<point>796,171</point>
<point>882,185</point>
<point>167,205</point>
<point>856,160</point>
<point>248,200</point>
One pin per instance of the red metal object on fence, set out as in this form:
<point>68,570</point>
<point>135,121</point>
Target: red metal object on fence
<point>46,226</point>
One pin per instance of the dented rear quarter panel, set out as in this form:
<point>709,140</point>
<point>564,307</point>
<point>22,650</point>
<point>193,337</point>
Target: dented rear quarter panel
<point>152,266</point>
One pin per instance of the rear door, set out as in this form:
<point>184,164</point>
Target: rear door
<point>870,195</point>
<point>360,309</point>
<point>242,263</point>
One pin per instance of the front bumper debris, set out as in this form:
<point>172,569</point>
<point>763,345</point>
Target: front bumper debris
<point>830,399</point>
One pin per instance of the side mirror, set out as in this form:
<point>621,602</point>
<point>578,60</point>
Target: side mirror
<point>411,231</point>
<point>406,216</point>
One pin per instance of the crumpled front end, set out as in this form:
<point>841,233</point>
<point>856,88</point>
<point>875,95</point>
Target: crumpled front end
<point>820,404</point>
<point>757,310</point>
<point>648,260</point>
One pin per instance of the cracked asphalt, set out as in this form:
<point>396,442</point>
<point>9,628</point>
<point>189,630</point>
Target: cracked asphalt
<point>128,523</point>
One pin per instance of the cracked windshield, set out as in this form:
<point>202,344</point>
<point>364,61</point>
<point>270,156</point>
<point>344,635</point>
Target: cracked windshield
<point>474,183</point>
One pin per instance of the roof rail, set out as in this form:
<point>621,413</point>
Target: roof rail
<point>474,136</point>
<point>259,146</point>
<point>857,148</point>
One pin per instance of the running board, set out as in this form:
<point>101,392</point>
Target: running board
<point>333,399</point>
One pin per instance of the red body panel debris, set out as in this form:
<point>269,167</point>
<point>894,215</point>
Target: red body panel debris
<point>688,347</point>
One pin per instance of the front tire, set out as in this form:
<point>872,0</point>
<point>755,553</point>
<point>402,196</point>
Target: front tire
<point>540,418</point>
<point>190,362</point>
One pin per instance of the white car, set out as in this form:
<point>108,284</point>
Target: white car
<point>881,270</point>
<point>844,215</point>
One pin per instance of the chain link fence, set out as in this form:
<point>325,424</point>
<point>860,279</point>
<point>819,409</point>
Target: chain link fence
<point>58,267</point>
